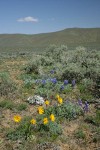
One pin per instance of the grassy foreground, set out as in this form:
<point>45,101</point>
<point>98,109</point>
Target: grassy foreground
<point>69,83</point>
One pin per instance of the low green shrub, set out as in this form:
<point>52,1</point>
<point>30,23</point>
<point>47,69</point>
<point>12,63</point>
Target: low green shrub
<point>22,131</point>
<point>95,120</point>
<point>80,134</point>
<point>7,86</point>
<point>21,107</point>
<point>7,104</point>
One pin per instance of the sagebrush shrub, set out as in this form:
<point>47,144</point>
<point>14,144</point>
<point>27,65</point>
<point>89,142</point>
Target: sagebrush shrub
<point>78,64</point>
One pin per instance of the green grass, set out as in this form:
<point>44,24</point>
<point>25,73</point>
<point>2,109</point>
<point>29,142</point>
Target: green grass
<point>80,134</point>
<point>21,107</point>
<point>7,104</point>
<point>95,120</point>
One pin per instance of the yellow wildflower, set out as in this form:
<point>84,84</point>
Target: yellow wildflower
<point>60,100</point>
<point>52,117</point>
<point>33,121</point>
<point>17,118</point>
<point>47,102</point>
<point>45,120</point>
<point>40,110</point>
<point>57,96</point>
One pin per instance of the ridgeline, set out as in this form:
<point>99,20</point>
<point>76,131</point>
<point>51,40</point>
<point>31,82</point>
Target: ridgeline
<point>72,37</point>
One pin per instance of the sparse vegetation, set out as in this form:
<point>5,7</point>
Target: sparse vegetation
<point>7,104</point>
<point>73,37</point>
<point>7,87</point>
<point>22,107</point>
<point>67,80</point>
<point>80,134</point>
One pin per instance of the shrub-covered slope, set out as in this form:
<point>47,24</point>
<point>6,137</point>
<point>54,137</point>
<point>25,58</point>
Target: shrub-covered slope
<point>88,37</point>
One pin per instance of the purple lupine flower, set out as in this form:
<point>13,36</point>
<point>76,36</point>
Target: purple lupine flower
<point>52,71</point>
<point>62,87</point>
<point>65,82</point>
<point>73,83</point>
<point>86,107</point>
<point>43,81</point>
<point>80,102</point>
<point>54,80</point>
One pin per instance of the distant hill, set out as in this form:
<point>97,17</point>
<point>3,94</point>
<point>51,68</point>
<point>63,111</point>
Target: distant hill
<point>72,37</point>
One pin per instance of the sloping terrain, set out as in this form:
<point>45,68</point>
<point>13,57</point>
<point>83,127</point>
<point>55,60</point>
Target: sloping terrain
<point>72,37</point>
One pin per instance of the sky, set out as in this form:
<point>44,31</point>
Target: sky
<point>43,16</point>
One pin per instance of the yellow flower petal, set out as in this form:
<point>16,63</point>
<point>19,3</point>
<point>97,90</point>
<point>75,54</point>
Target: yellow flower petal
<point>52,117</point>
<point>40,110</point>
<point>17,118</point>
<point>60,100</point>
<point>57,96</point>
<point>47,102</point>
<point>33,121</point>
<point>45,120</point>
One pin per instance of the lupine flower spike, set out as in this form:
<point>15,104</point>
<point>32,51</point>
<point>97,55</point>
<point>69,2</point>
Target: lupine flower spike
<point>86,107</point>
<point>65,82</point>
<point>54,80</point>
<point>73,83</point>
<point>62,87</point>
<point>80,102</point>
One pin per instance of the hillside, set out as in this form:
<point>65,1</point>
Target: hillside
<point>72,37</point>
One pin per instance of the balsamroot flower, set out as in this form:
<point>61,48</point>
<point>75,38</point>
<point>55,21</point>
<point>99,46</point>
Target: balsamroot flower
<point>45,120</point>
<point>60,100</point>
<point>47,102</point>
<point>57,96</point>
<point>33,121</point>
<point>52,117</point>
<point>40,110</point>
<point>17,118</point>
